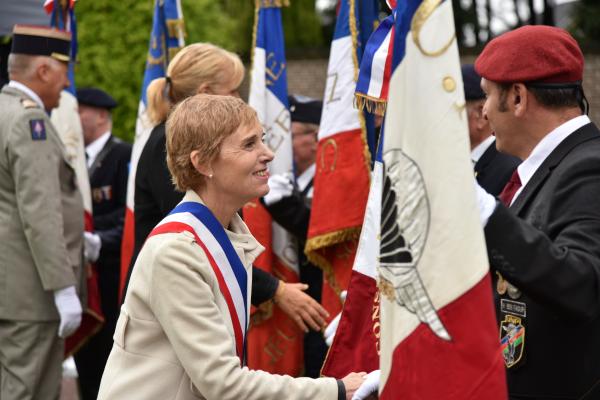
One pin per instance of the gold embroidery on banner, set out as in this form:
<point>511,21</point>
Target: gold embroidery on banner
<point>273,69</point>
<point>376,323</point>
<point>176,28</point>
<point>387,289</point>
<point>329,142</point>
<point>332,97</point>
<point>423,13</point>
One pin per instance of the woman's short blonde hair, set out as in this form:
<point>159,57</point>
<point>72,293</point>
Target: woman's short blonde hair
<point>202,122</point>
<point>193,66</point>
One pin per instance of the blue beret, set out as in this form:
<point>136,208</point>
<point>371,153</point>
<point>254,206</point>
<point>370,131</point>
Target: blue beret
<point>472,83</point>
<point>305,109</point>
<point>95,98</point>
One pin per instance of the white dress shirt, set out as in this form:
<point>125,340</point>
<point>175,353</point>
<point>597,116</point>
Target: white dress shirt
<point>481,148</point>
<point>28,92</point>
<point>304,179</point>
<point>487,202</point>
<point>93,149</point>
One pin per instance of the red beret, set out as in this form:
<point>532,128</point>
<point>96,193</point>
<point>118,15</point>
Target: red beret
<point>533,53</point>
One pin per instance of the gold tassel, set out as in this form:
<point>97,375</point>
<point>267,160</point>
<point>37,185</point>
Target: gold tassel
<point>373,105</point>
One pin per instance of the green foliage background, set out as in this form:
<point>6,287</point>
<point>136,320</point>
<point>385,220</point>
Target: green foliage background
<point>113,41</point>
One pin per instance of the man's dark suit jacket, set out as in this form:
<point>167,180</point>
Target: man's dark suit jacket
<point>155,196</point>
<point>493,169</point>
<point>547,244</point>
<point>108,180</point>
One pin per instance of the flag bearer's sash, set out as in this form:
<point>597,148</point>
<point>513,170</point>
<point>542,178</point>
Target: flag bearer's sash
<point>231,274</point>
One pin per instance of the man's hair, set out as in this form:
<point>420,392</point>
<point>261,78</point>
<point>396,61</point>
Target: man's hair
<point>202,122</point>
<point>24,66</point>
<point>553,98</point>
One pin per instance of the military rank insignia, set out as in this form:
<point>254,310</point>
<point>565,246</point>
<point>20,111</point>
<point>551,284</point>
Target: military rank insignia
<point>512,340</point>
<point>38,129</point>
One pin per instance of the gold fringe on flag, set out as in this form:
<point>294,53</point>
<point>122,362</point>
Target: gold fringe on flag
<point>313,245</point>
<point>373,105</point>
<point>272,3</point>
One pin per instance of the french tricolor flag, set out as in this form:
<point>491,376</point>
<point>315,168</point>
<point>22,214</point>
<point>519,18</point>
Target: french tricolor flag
<point>167,14</point>
<point>439,338</point>
<point>269,97</point>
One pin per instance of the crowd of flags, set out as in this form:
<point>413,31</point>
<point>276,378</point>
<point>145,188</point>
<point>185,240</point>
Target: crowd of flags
<point>419,302</point>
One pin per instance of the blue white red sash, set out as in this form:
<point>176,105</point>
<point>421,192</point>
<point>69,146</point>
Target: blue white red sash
<point>228,268</point>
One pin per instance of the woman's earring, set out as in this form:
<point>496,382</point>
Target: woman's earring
<point>210,176</point>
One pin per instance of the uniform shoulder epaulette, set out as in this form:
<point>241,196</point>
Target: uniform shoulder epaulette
<point>27,103</point>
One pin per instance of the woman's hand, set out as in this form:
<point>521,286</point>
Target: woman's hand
<point>299,306</point>
<point>352,382</point>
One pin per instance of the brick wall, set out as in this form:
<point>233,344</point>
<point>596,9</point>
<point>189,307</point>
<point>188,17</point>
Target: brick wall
<point>307,77</point>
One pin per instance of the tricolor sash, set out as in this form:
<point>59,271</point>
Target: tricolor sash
<point>231,274</point>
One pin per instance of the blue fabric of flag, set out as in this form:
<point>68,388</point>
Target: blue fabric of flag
<point>269,36</point>
<point>58,20</point>
<point>404,12</point>
<point>204,214</point>
<point>160,42</point>
<point>373,44</point>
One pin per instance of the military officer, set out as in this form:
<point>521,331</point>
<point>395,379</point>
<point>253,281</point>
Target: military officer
<point>108,166</point>
<point>41,216</point>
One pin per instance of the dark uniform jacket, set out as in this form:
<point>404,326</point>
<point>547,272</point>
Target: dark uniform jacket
<point>155,197</point>
<point>108,181</point>
<point>547,244</point>
<point>493,169</point>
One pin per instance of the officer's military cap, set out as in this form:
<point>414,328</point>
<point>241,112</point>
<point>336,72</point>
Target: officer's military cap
<point>95,97</point>
<point>305,109</point>
<point>472,83</point>
<point>41,41</point>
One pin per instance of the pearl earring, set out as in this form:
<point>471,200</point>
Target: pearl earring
<point>210,175</point>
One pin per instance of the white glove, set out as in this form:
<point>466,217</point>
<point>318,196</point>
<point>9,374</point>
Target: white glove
<point>329,332</point>
<point>280,186</point>
<point>91,246</point>
<point>69,309</point>
<point>486,203</point>
<point>369,386</point>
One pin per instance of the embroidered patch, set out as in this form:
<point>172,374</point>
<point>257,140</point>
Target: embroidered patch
<point>512,340</point>
<point>513,307</point>
<point>102,193</point>
<point>38,129</point>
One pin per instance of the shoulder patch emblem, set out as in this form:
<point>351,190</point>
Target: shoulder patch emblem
<point>27,103</point>
<point>38,129</point>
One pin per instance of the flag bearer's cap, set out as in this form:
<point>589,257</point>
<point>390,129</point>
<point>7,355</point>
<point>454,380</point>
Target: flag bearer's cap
<point>534,53</point>
<point>41,41</point>
<point>95,97</point>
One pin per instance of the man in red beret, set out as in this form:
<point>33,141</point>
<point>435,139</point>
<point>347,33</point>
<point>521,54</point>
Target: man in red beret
<point>543,236</point>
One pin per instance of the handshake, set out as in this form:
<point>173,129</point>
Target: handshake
<point>362,386</point>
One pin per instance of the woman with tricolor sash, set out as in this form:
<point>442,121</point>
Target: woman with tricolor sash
<point>182,329</point>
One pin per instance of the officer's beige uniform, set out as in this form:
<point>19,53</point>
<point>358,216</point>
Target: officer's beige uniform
<point>41,232</point>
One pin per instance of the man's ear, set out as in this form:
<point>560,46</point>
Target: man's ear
<point>520,99</point>
<point>43,71</point>
<point>203,167</point>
